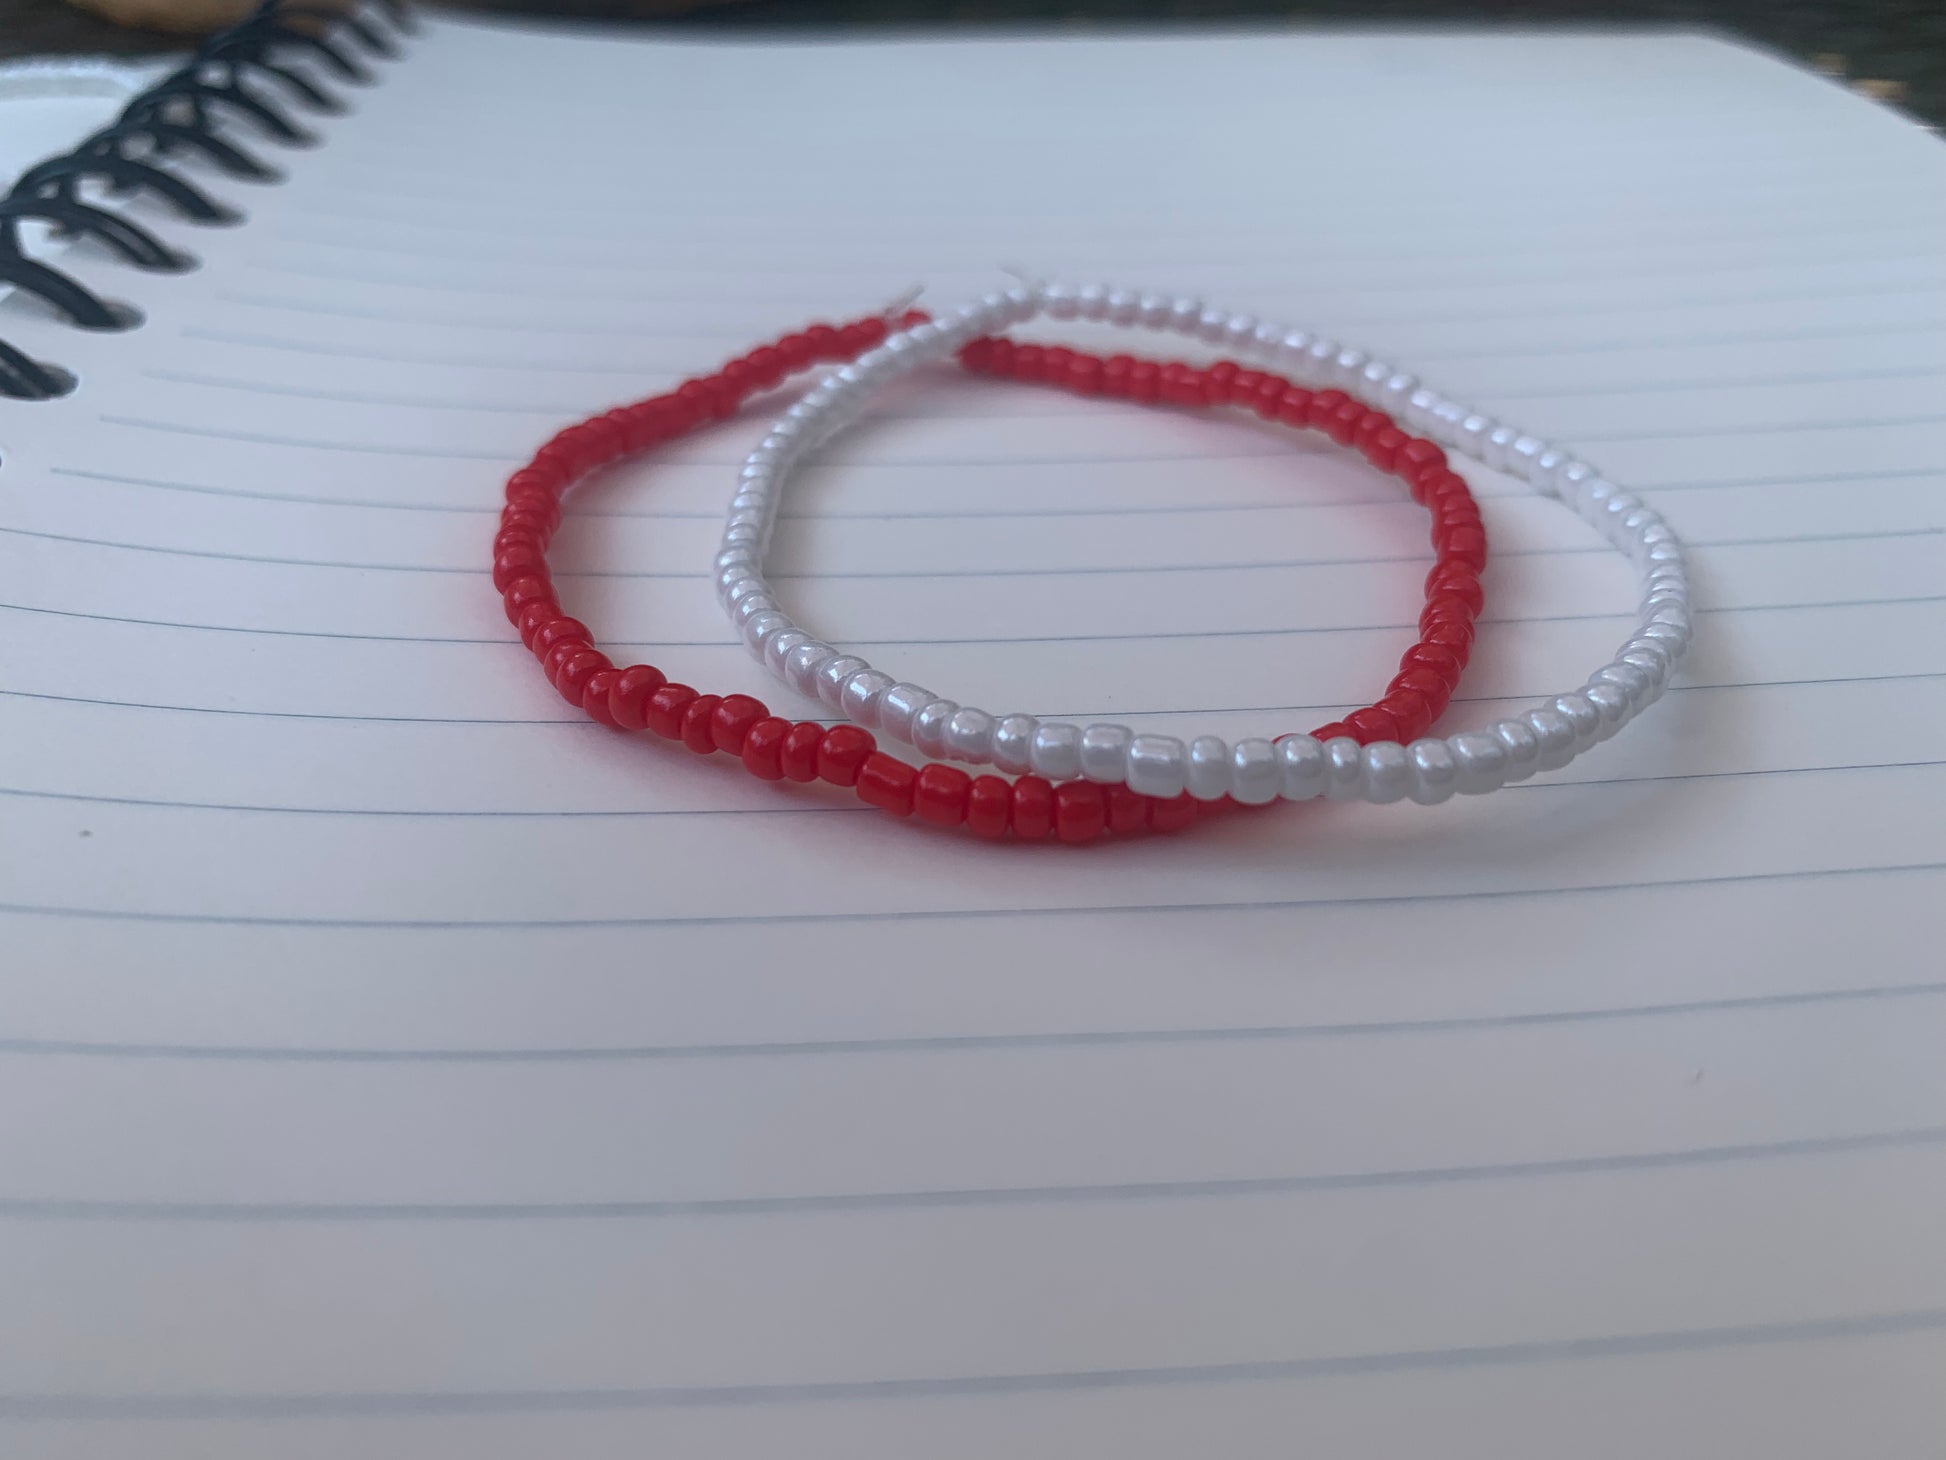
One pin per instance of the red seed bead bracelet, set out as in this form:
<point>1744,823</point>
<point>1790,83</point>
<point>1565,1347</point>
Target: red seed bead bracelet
<point>770,747</point>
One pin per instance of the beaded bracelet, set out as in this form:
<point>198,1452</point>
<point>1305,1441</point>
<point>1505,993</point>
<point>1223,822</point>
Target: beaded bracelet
<point>640,697</point>
<point>1296,767</point>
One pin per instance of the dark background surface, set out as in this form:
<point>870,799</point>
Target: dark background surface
<point>1895,49</point>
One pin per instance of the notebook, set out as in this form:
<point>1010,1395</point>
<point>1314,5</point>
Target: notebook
<point>396,1063</point>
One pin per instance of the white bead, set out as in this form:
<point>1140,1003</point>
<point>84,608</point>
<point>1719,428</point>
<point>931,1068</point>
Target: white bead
<point>1062,302</point>
<point>1345,366</point>
<point>1388,774</point>
<point>969,736</point>
<point>1091,301</point>
<point>1209,768</point>
<point>1435,775</point>
<point>1104,752</point>
<point>1555,732</point>
<point>898,705</point>
<point>1611,704</point>
<point>1302,769</point>
<point>1158,765</point>
<point>1631,681</point>
<point>1213,325</point>
<point>1480,762</point>
<point>1344,768</point>
<point>1254,772</point>
<point>801,668</point>
<point>832,677</point>
<point>1496,449</point>
<point>778,646</point>
<point>1578,712</point>
<point>750,608</point>
<point>1153,311</point>
<point>760,626</point>
<point>1121,307</point>
<point>929,727</point>
<point>1184,315</point>
<point>860,698</point>
<point>1056,751</point>
<point>1522,747</point>
<point>1013,743</point>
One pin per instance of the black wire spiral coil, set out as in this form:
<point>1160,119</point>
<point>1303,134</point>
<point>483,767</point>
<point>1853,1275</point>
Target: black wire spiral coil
<point>181,115</point>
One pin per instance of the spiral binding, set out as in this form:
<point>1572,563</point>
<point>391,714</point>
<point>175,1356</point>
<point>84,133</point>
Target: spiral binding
<point>179,115</point>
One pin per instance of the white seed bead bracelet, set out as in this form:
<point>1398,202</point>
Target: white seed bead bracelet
<point>1295,767</point>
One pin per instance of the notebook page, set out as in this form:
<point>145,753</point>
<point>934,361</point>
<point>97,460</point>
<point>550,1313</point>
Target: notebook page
<point>396,1063</point>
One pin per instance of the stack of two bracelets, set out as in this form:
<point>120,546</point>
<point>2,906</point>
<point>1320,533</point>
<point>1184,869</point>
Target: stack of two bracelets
<point>1049,778</point>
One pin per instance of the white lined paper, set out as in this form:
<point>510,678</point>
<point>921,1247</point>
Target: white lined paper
<point>388,1047</point>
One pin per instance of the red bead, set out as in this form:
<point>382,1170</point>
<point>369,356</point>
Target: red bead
<point>1437,483</point>
<point>1411,710</point>
<point>732,721</point>
<point>1184,385</point>
<point>976,355</point>
<point>799,758</point>
<point>1465,545</point>
<point>1127,812</point>
<point>767,366</point>
<point>533,617</point>
<point>1115,372</point>
<point>796,351</point>
<point>1342,424</point>
<point>939,794</point>
<point>1269,397</point>
<point>1000,356</point>
<point>665,710</point>
<point>1441,660</point>
<point>1332,731</point>
<point>559,630</point>
<point>1080,811</point>
<point>1423,682</point>
<point>520,561</point>
<point>822,341</point>
<point>557,656</point>
<point>1033,809</point>
<point>1443,607</point>
<point>1294,406</point>
<point>1416,455</point>
<point>1084,375</point>
<point>526,590</point>
<point>1245,384</point>
<point>988,801</point>
<point>1324,404</point>
<point>594,695</point>
<point>1145,381</point>
<point>1173,814</point>
<point>1030,363</point>
<point>842,751</point>
<point>696,732</point>
<point>575,672</point>
<point>1456,580</point>
<point>1381,448</point>
<point>887,783</point>
<point>1449,635</point>
<point>1371,724</point>
<point>1220,375</point>
<point>628,697</point>
<point>763,748</point>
